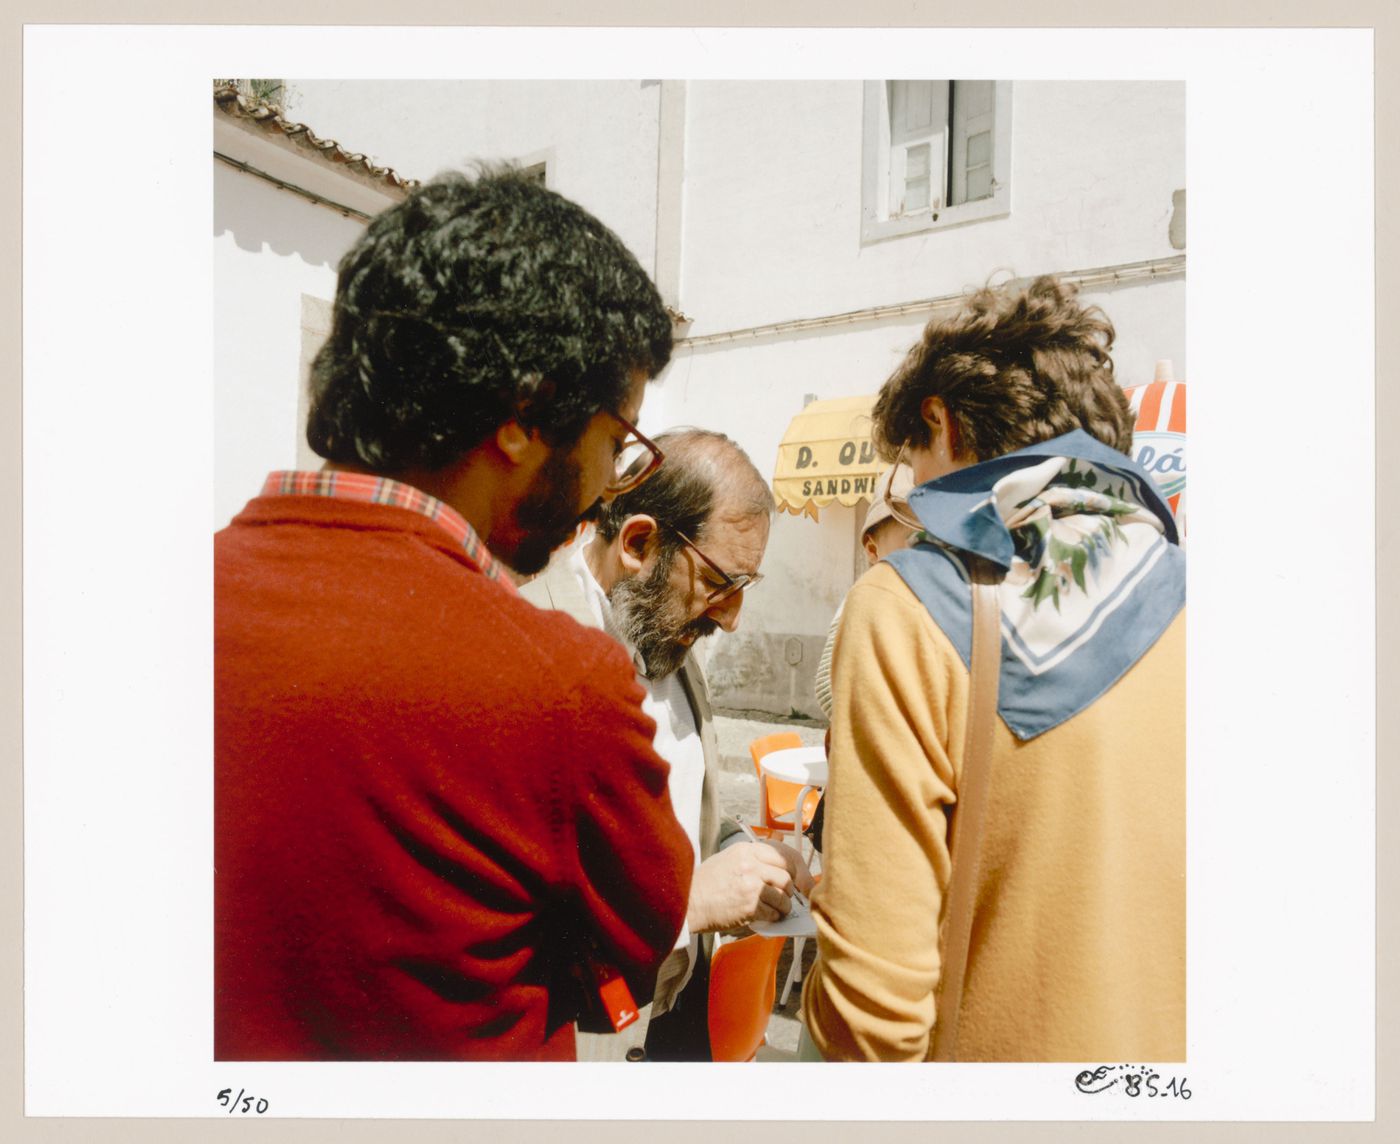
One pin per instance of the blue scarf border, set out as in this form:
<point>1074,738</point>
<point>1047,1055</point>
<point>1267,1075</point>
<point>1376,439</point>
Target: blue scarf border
<point>957,510</point>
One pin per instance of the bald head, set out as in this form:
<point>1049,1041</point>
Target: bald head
<point>705,480</point>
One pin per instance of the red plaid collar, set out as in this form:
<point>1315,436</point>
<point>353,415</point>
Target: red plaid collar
<point>381,490</point>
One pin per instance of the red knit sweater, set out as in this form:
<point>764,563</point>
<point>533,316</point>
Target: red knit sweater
<point>430,799</point>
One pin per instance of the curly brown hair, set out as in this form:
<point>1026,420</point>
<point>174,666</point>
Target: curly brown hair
<point>1014,367</point>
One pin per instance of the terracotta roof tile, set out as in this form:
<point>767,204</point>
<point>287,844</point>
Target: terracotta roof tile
<point>230,101</point>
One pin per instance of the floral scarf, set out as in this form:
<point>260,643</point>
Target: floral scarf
<point>1094,571</point>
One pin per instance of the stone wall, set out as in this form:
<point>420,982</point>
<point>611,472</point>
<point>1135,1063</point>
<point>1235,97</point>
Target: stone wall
<point>764,672</point>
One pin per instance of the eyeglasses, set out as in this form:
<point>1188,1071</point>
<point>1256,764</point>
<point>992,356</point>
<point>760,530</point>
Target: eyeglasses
<point>637,458</point>
<point>731,585</point>
<point>903,515</point>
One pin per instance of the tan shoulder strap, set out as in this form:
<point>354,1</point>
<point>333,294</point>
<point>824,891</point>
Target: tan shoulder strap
<point>984,671</point>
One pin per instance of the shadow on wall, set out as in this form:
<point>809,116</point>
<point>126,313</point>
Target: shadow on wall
<point>259,218</point>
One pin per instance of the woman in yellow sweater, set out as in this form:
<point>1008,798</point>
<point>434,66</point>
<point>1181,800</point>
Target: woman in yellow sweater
<point>1018,435</point>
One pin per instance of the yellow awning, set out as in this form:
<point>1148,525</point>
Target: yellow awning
<point>826,456</point>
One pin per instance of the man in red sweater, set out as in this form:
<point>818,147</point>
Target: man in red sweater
<point>441,831</point>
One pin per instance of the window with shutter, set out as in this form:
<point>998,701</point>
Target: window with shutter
<point>972,121</point>
<point>936,153</point>
<point>918,144</point>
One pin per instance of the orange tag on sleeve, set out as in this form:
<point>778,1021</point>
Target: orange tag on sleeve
<point>618,1003</point>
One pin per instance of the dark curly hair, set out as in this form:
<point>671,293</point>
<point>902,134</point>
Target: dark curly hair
<point>471,302</point>
<point>1014,368</point>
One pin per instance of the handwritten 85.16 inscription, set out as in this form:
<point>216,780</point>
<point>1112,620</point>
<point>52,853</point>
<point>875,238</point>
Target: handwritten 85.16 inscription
<point>1135,1081</point>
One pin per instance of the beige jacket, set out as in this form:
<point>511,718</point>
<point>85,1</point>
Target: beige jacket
<point>1079,942</point>
<point>558,588</point>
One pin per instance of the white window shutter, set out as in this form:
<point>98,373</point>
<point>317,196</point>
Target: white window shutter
<point>972,130</point>
<point>918,145</point>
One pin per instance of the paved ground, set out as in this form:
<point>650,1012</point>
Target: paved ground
<point>738,795</point>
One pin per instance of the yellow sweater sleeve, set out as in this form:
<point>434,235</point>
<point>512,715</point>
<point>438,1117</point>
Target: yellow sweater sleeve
<point>900,696</point>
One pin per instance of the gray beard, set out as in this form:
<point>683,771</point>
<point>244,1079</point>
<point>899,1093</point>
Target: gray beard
<point>644,612</point>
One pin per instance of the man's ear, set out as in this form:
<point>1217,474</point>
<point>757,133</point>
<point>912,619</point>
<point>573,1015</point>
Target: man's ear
<point>872,554</point>
<point>938,420</point>
<point>934,413</point>
<point>635,541</point>
<point>516,442</point>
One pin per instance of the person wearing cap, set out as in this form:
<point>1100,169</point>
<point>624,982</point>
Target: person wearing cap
<point>1009,416</point>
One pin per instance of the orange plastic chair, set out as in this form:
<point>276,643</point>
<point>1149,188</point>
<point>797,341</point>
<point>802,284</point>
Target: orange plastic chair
<point>778,797</point>
<point>743,982</point>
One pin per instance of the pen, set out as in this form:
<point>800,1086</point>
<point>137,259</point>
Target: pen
<point>752,837</point>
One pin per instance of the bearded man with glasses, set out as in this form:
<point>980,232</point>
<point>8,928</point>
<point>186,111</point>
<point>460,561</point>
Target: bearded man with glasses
<point>441,830</point>
<point>668,565</point>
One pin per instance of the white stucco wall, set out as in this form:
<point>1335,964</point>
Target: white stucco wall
<point>598,138</point>
<point>773,191</point>
<point>270,248</point>
<point>1150,322</point>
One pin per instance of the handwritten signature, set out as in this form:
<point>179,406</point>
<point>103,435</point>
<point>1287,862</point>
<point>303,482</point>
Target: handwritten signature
<point>1137,1080</point>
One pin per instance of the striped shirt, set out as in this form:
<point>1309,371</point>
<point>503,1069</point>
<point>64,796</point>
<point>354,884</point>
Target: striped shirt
<point>381,490</point>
